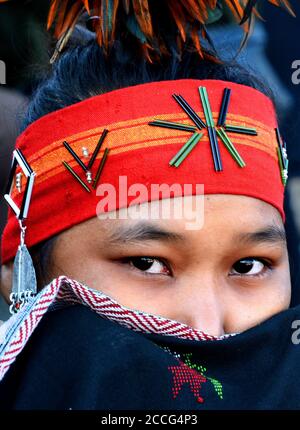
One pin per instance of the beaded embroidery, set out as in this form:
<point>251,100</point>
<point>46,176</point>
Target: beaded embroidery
<point>194,374</point>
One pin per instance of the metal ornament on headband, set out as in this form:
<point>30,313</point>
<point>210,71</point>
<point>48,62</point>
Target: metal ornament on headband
<point>24,278</point>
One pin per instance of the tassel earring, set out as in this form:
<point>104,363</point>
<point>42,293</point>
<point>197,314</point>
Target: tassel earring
<point>24,278</point>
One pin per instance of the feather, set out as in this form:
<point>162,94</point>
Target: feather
<point>286,5</point>
<point>52,12</point>
<point>196,39</point>
<point>61,17</point>
<point>235,7</point>
<point>71,18</point>
<point>143,17</point>
<point>152,23</point>
<point>215,14</point>
<point>247,34</point>
<point>87,6</point>
<point>126,4</point>
<point>135,30</point>
<point>248,10</point>
<point>177,13</point>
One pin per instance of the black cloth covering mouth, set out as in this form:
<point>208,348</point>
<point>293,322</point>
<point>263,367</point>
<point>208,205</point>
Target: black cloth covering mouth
<point>78,360</point>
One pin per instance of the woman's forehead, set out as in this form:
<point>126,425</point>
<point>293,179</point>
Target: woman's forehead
<point>213,206</point>
<point>226,217</point>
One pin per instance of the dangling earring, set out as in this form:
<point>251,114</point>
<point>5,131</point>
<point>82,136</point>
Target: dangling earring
<point>24,279</point>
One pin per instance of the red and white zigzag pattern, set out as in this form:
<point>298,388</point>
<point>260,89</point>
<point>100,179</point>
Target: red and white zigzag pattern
<point>63,291</point>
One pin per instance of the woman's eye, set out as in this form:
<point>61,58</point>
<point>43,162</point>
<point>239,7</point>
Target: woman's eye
<point>249,266</point>
<point>149,265</point>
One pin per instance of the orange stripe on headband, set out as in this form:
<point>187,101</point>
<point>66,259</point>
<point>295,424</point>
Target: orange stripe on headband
<point>137,135</point>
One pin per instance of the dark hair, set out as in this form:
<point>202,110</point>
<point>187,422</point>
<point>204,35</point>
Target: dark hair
<point>84,71</point>
<point>42,260</point>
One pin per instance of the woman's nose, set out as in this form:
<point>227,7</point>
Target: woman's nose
<point>201,307</point>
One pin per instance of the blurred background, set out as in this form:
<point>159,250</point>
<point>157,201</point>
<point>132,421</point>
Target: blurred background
<point>272,52</point>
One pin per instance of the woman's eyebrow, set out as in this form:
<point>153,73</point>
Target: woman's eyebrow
<point>144,231</point>
<point>141,232</point>
<point>271,234</point>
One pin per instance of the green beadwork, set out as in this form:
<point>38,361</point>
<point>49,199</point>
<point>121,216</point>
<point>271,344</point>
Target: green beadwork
<point>202,370</point>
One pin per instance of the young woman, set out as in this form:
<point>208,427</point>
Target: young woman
<point>169,312</point>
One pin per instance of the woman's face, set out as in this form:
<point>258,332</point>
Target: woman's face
<point>225,277</point>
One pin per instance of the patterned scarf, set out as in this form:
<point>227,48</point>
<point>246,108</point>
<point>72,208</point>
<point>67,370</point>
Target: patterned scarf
<point>62,291</point>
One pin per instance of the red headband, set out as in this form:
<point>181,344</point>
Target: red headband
<point>142,152</point>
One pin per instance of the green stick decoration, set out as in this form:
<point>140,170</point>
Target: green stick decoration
<point>206,106</point>
<point>231,148</point>
<point>174,125</point>
<point>185,150</point>
<point>241,129</point>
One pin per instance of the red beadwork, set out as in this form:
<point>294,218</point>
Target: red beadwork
<point>183,374</point>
